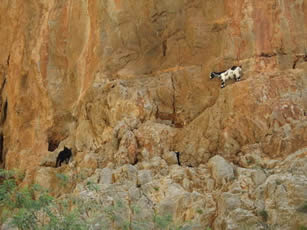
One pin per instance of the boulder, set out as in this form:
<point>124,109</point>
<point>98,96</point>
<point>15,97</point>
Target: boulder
<point>221,170</point>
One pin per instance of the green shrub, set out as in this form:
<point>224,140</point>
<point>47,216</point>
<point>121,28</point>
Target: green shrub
<point>303,208</point>
<point>92,186</point>
<point>264,214</point>
<point>64,179</point>
<point>162,222</point>
<point>200,211</point>
<point>32,208</point>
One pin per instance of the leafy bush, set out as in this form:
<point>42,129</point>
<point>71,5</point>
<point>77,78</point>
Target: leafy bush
<point>264,214</point>
<point>303,208</point>
<point>64,179</point>
<point>92,186</point>
<point>162,222</point>
<point>32,208</point>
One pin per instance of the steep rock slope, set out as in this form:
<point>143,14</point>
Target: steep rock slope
<point>123,82</point>
<point>51,53</point>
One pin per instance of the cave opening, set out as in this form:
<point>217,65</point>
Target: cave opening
<point>52,144</point>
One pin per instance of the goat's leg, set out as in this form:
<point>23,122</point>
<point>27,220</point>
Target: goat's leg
<point>238,78</point>
<point>223,84</point>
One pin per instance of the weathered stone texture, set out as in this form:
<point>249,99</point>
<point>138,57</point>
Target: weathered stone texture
<point>127,82</point>
<point>51,53</point>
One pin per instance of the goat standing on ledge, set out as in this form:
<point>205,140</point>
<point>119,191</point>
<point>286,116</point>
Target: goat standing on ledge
<point>64,156</point>
<point>232,73</point>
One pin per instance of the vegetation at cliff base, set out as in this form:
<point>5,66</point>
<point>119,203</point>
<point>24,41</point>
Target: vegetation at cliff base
<point>33,208</point>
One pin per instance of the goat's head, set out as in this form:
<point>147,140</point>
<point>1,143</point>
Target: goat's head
<point>213,75</point>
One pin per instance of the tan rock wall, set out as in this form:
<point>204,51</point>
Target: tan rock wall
<point>159,55</point>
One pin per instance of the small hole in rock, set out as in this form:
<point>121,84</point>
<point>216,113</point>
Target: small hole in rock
<point>135,162</point>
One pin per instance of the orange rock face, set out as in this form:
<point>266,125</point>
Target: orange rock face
<point>267,111</point>
<point>71,72</point>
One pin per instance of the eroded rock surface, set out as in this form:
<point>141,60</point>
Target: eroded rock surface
<point>125,84</point>
<point>254,197</point>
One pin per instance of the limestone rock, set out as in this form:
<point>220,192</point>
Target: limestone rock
<point>84,136</point>
<point>156,164</point>
<point>84,73</point>
<point>254,198</point>
<point>45,177</point>
<point>127,152</point>
<point>87,160</point>
<point>125,174</point>
<point>243,115</point>
<point>125,83</point>
<point>105,175</point>
<point>144,176</point>
<point>221,170</point>
<point>154,138</point>
<point>170,158</point>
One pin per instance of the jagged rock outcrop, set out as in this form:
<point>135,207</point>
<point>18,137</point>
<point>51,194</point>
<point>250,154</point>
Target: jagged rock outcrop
<point>127,83</point>
<point>219,195</point>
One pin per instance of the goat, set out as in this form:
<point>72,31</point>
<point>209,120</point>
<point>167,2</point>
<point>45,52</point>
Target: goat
<point>64,155</point>
<point>232,73</point>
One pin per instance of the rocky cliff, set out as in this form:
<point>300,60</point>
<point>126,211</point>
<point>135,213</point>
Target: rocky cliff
<point>126,82</point>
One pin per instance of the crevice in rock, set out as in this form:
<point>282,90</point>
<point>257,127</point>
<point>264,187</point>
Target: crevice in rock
<point>267,55</point>
<point>178,158</point>
<point>2,86</point>
<point>294,63</point>
<point>174,99</point>
<point>218,27</point>
<point>135,161</point>
<point>172,116</point>
<point>24,81</point>
<point>197,115</point>
<point>149,201</point>
<point>165,116</point>
<point>8,60</point>
<point>1,149</point>
<point>213,219</point>
<point>297,58</point>
<point>4,112</point>
<point>156,16</point>
<point>164,47</point>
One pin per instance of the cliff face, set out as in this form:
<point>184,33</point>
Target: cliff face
<point>158,55</point>
<point>126,81</point>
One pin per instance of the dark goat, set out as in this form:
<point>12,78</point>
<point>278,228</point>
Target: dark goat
<point>64,155</point>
